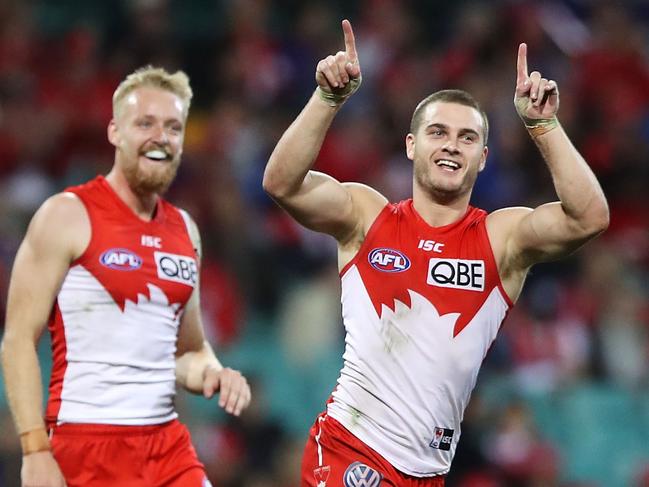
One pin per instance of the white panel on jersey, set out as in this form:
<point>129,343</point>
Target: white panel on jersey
<point>405,375</point>
<point>120,364</point>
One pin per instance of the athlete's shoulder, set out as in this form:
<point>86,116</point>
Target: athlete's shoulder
<point>171,209</point>
<point>65,207</point>
<point>191,227</point>
<point>504,219</point>
<point>474,215</point>
<point>177,217</point>
<point>365,195</point>
<point>500,225</point>
<point>368,204</point>
<point>61,221</point>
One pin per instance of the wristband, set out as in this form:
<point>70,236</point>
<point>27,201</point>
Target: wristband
<point>34,441</point>
<point>540,126</point>
<point>336,99</point>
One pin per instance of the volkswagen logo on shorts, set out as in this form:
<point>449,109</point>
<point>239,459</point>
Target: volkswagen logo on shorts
<point>360,475</point>
<point>388,260</point>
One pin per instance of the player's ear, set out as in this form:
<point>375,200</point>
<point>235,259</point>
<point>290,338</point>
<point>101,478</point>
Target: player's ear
<point>113,133</point>
<point>410,146</point>
<point>483,158</point>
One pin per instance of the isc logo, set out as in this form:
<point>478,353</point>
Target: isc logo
<point>151,241</point>
<point>430,246</point>
<point>121,260</point>
<point>176,268</point>
<point>442,439</point>
<point>456,273</point>
<point>388,260</point>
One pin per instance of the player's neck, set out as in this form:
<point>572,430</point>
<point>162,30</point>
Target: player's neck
<point>438,212</point>
<point>143,206</point>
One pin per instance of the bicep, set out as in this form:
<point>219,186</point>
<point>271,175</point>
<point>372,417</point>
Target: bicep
<point>322,204</point>
<point>52,241</point>
<point>190,331</point>
<point>545,233</point>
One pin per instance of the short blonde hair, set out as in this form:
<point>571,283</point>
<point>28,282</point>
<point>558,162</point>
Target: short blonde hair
<point>460,97</point>
<point>176,83</point>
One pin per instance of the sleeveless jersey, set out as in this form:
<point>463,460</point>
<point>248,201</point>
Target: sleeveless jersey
<point>421,306</point>
<point>114,323</point>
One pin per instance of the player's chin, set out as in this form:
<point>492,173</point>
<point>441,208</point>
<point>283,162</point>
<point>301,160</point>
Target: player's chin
<point>448,189</point>
<point>157,181</point>
<point>448,182</point>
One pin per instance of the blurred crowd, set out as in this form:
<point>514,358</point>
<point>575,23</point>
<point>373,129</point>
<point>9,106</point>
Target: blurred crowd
<point>563,399</point>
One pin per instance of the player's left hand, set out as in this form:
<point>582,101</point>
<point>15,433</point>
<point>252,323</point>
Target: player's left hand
<point>338,76</point>
<point>536,98</point>
<point>233,388</point>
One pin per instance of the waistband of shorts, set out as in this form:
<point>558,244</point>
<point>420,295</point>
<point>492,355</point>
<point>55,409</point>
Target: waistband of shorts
<point>338,429</point>
<point>97,429</point>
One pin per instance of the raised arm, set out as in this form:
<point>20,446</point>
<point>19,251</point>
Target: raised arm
<point>314,199</point>
<point>553,229</point>
<point>197,368</point>
<point>57,234</point>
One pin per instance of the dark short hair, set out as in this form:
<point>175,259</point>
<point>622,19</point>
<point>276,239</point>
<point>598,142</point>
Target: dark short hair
<point>460,97</point>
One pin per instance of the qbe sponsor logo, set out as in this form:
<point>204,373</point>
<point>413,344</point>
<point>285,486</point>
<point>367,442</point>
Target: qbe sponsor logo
<point>456,274</point>
<point>360,475</point>
<point>120,259</point>
<point>442,439</point>
<point>176,268</point>
<point>388,260</point>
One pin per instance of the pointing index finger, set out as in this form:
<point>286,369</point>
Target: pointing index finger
<point>521,63</point>
<point>350,42</point>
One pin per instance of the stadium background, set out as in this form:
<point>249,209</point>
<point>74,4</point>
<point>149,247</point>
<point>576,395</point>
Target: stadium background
<point>563,399</point>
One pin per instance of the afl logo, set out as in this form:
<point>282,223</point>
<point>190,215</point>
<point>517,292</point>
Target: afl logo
<point>121,260</point>
<point>388,260</point>
<point>360,475</point>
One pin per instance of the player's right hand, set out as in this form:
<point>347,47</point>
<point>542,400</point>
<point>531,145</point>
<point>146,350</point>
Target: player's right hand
<point>41,470</point>
<point>340,74</point>
<point>233,388</point>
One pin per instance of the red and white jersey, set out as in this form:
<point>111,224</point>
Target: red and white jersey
<point>114,323</point>
<point>421,306</point>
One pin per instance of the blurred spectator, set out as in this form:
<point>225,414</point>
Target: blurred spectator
<point>515,448</point>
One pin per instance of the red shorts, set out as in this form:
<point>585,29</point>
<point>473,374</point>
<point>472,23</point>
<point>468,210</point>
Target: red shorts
<point>97,455</point>
<point>336,457</point>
